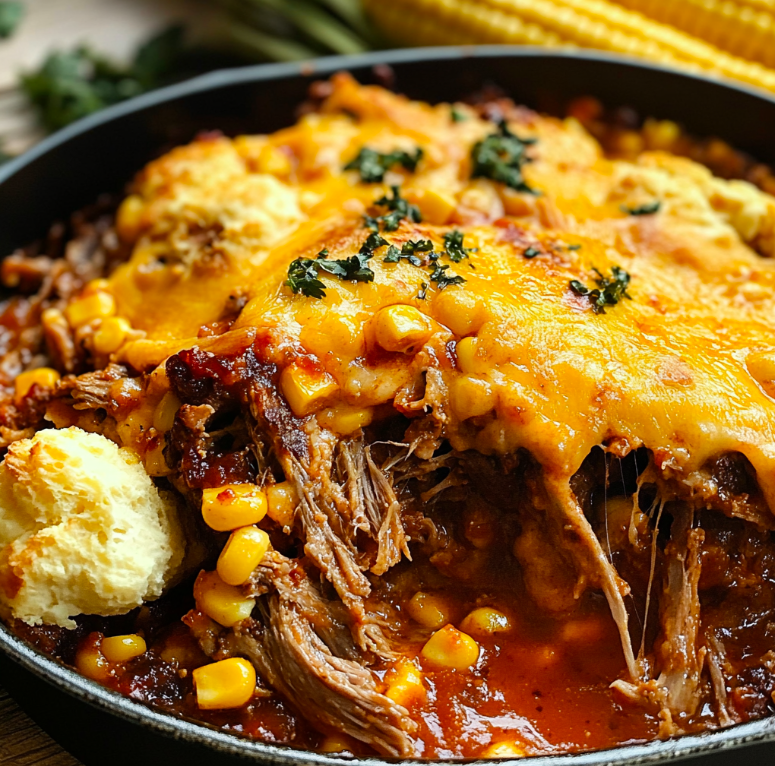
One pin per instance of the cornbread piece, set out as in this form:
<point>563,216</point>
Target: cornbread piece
<point>83,530</point>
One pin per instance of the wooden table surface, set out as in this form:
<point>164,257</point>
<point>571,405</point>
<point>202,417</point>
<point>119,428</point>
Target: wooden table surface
<point>22,743</point>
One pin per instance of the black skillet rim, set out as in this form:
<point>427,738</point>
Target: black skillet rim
<point>108,701</point>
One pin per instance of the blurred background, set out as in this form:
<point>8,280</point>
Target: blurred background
<point>63,59</point>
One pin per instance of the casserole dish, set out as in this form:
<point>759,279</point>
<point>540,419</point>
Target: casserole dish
<point>261,101</point>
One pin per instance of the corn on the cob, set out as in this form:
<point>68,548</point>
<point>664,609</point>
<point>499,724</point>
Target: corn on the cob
<point>598,24</point>
<point>732,25</point>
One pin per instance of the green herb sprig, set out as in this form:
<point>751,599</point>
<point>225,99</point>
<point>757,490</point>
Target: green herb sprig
<point>304,273</point>
<point>609,290</point>
<point>500,156</point>
<point>453,244</point>
<point>648,209</point>
<point>398,208</point>
<point>373,165</point>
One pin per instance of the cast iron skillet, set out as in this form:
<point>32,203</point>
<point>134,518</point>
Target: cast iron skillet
<point>101,153</point>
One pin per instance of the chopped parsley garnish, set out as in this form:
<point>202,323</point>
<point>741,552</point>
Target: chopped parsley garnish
<point>373,165</point>
<point>419,246</point>
<point>442,279</point>
<point>408,250</point>
<point>574,247</point>
<point>304,273</point>
<point>500,156</point>
<point>531,252</point>
<point>648,209</point>
<point>456,115</point>
<point>609,290</point>
<point>399,209</point>
<point>453,244</point>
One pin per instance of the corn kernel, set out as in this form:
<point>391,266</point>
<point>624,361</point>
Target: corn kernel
<point>225,685</point>
<point>459,310</point>
<point>221,602</point>
<point>123,648</point>
<point>401,329</point>
<point>344,419</point>
<point>761,367</point>
<point>164,415</point>
<point>437,206</point>
<point>282,501</point>
<point>307,390</point>
<point>44,377</point>
<point>233,506</point>
<point>338,743</point>
<point>111,335</point>
<point>449,648</point>
<point>242,554</point>
<point>471,397</point>
<point>430,610</point>
<point>129,217</point>
<point>504,750</point>
<point>405,687</point>
<point>90,662</point>
<point>155,462</point>
<point>96,286</point>
<point>84,309</point>
<point>468,359</point>
<point>486,621</point>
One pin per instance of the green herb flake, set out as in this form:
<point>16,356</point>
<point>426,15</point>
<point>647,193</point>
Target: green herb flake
<point>500,156</point>
<point>453,244</point>
<point>531,252</point>
<point>574,247</point>
<point>11,14</point>
<point>399,209</point>
<point>648,209</point>
<point>373,165</point>
<point>609,290</point>
<point>456,115</point>
<point>442,279</point>
<point>303,278</point>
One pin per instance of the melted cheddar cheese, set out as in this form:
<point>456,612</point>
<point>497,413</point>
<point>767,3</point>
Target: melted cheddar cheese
<point>518,359</point>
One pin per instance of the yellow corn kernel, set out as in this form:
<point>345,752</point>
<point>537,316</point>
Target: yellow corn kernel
<point>338,743</point>
<point>401,329</point>
<point>242,554</point>
<point>661,134</point>
<point>90,662</point>
<point>486,621</point>
<point>307,390</point>
<point>129,217</point>
<point>155,462</point>
<point>468,359</point>
<point>429,609</point>
<point>471,397</point>
<point>282,502</point>
<point>164,415</point>
<point>111,335</point>
<point>44,377</point>
<point>221,602</point>
<point>224,685</point>
<point>233,506</point>
<point>333,332</point>
<point>459,310</point>
<point>96,286</point>
<point>504,750</point>
<point>437,206</point>
<point>123,648</point>
<point>405,686</point>
<point>449,648</point>
<point>344,419</point>
<point>96,306</point>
